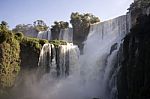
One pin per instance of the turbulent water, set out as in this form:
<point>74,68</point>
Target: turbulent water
<point>91,75</point>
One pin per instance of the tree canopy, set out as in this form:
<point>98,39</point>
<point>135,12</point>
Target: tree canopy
<point>140,4</point>
<point>81,26</point>
<point>22,27</point>
<point>38,25</point>
<point>59,25</point>
<point>4,25</point>
<point>83,19</point>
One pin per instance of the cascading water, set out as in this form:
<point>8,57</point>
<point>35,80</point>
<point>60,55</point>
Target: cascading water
<point>44,35</point>
<point>58,60</point>
<point>93,75</point>
<point>66,34</point>
<point>47,60</point>
<point>100,50</point>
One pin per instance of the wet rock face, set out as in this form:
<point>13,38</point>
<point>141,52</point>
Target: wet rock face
<point>133,79</point>
<point>29,57</point>
<point>79,36</point>
<point>55,35</point>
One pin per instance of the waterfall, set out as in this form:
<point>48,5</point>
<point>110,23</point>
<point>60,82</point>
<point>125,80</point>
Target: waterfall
<point>66,34</point>
<point>47,60</point>
<point>104,41</point>
<point>44,35</point>
<point>90,75</point>
<point>58,60</point>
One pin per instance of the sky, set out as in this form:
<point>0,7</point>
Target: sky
<point>27,11</point>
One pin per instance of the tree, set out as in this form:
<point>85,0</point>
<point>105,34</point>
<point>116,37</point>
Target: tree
<point>57,27</point>
<point>139,4</point>
<point>40,25</point>
<point>4,25</point>
<point>81,25</point>
<point>23,28</point>
<point>83,19</point>
<point>5,33</point>
<point>60,25</point>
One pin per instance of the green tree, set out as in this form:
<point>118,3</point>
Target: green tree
<point>4,25</point>
<point>83,20</point>
<point>81,25</point>
<point>40,25</point>
<point>139,4</point>
<point>57,27</point>
<point>22,28</point>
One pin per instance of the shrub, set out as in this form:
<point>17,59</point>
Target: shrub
<point>42,41</point>
<point>58,42</point>
<point>19,36</point>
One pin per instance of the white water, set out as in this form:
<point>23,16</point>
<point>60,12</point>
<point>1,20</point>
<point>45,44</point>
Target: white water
<point>59,61</point>
<point>66,34</point>
<point>44,35</point>
<point>94,75</point>
<point>47,60</point>
<point>100,62</point>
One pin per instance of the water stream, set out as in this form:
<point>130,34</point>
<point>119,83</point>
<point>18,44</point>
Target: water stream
<point>91,75</point>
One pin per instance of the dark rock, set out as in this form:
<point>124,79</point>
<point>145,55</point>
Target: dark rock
<point>29,57</point>
<point>113,47</point>
<point>133,78</point>
<point>79,36</point>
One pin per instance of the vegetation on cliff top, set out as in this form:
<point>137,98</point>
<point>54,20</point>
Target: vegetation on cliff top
<point>38,25</point>
<point>141,27</point>
<point>12,48</point>
<point>80,22</point>
<point>9,57</point>
<point>58,42</point>
<point>83,20</point>
<point>139,4</point>
<point>57,27</point>
<point>81,25</point>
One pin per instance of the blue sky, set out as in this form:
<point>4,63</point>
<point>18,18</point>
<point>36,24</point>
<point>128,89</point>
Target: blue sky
<point>27,11</point>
